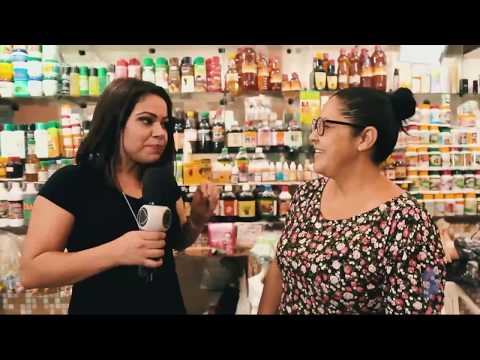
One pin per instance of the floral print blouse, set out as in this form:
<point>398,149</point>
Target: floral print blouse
<point>388,260</point>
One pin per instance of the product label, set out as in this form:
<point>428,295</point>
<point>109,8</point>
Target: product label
<point>249,68</point>
<point>204,135</point>
<point>332,82</point>
<point>264,139</point>
<point>218,133</point>
<point>284,207</point>
<point>31,168</point>
<point>354,79</point>
<point>294,139</point>
<point>320,80</point>
<point>278,138</point>
<point>232,77</point>
<point>191,135</point>
<point>235,139</point>
<point>268,207</point>
<point>178,138</point>
<point>15,210</point>
<point>250,139</point>
<point>188,84</point>
<point>28,202</point>
<point>343,79</point>
<point>246,209</point>
<point>228,207</point>
<point>276,78</point>
<point>4,209</point>
<point>9,169</point>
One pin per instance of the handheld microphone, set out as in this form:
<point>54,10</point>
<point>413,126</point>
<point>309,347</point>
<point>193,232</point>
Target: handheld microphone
<point>158,184</point>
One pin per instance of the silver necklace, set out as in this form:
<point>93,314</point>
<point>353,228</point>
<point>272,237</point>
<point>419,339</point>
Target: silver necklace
<point>131,209</point>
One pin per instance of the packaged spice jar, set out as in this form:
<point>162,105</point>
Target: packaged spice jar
<point>446,157</point>
<point>459,205</point>
<point>424,181</point>
<point>458,181</point>
<point>470,204</point>
<point>469,159</point>
<point>477,180</point>
<point>458,159</point>
<point>423,157</point>
<point>435,158</point>
<point>449,205</point>
<point>446,181</point>
<point>435,181</point>
<point>439,205</point>
<point>445,136</point>
<point>412,156</point>
<point>469,180</point>
<point>434,135</point>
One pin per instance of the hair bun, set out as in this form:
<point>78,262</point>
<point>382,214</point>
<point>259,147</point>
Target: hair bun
<point>403,103</point>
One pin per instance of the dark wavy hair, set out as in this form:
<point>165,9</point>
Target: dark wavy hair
<point>100,150</point>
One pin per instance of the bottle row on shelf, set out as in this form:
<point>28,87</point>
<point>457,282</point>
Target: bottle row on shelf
<point>441,181</point>
<point>242,168</point>
<point>28,70</point>
<point>440,205</point>
<point>16,204</point>
<point>209,132</point>
<point>39,171</point>
<point>247,203</point>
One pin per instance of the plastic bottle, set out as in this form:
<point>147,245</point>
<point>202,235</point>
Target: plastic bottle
<point>228,205</point>
<point>29,197</point>
<point>366,69</point>
<point>218,135</point>
<point>148,73</point>
<point>246,205</point>
<point>284,200</point>
<point>204,134</point>
<point>264,135</point>
<point>278,171</point>
<point>190,132</point>
<point>53,140</point>
<point>292,175</point>
<point>179,131</point>
<point>19,142</point>
<point>32,164</point>
<point>134,69</point>
<point>343,70</point>
<point>242,162</point>
<point>200,72</point>
<point>379,62</point>
<point>102,79</point>
<point>354,69</point>
<point>187,75</point>
<point>174,81</point>
<point>4,222</point>
<point>84,73</point>
<point>161,72</point>
<point>75,82</point>
<point>15,206</point>
<point>268,204</point>
<point>65,80</point>
<point>300,173</point>
<point>232,79</point>
<point>275,75</point>
<point>121,69</point>
<point>93,83</point>
<point>110,74</point>
<point>235,137</point>
<point>263,78</point>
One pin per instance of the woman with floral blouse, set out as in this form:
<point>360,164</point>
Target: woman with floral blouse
<point>354,242</point>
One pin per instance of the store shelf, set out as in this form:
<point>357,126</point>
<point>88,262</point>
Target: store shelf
<point>428,124</point>
<point>467,146</point>
<point>431,192</point>
<point>252,183</point>
<point>22,230</point>
<point>402,181</point>
<point>460,219</point>
<point>442,169</point>
<point>20,180</point>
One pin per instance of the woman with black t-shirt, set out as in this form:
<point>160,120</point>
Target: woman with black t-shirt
<point>90,210</point>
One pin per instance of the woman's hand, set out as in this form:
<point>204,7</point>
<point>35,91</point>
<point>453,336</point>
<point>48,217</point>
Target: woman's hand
<point>204,202</point>
<point>145,248</point>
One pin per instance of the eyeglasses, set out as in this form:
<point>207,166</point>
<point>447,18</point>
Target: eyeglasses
<point>318,125</point>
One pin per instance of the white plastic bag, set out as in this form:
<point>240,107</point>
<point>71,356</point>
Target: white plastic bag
<point>9,259</point>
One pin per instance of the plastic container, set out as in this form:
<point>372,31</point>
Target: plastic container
<point>470,204</point>
<point>41,140</point>
<point>435,158</point>
<point>34,68</point>
<point>435,181</point>
<point>446,181</point>
<point>161,72</point>
<point>446,158</point>
<point>84,74</point>
<point>148,73</point>
<point>121,69</point>
<point>134,69</point>
<point>469,180</point>
<point>458,181</point>
<point>246,204</point>
<point>15,206</point>
<point>4,221</point>
<point>423,157</point>
<point>459,205</point>
<point>29,197</point>
<point>424,181</point>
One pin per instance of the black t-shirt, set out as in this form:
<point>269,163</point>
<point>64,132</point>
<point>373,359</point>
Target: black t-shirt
<point>102,215</point>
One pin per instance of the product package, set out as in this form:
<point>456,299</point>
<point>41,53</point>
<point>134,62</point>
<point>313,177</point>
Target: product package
<point>222,236</point>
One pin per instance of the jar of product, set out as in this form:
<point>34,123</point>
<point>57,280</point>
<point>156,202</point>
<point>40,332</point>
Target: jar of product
<point>469,159</point>
<point>476,157</point>
<point>424,135</point>
<point>469,180</point>
<point>472,136</point>
<point>412,156</point>
<point>424,110</point>
<point>470,204</point>
<point>400,170</point>
<point>3,167</point>
<point>445,136</point>
<point>446,181</point>
<point>458,181</point>
<point>423,157</point>
<point>446,157</point>
<point>477,180</point>
<point>459,205</point>
<point>43,172</point>
<point>435,181</point>
<point>413,138</point>
<point>458,158</point>
<point>429,203</point>
<point>478,203</point>
<point>34,68</point>
<point>35,88</point>
<point>424,181</point>
<point>50,87</point>
<point>435,158</point>
<point>14,168</point>
<point>445,113</point>
<point>6,71</point>
<point>412,175</point>
<point>439,205</point>
<point>435,114</point>
<point>462,137</point>
<point>434,135</point>
<point>450,205</point>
